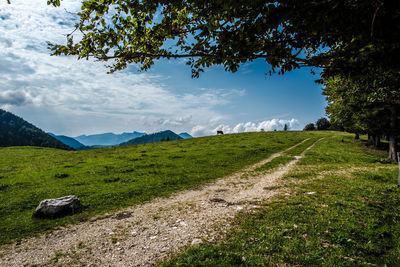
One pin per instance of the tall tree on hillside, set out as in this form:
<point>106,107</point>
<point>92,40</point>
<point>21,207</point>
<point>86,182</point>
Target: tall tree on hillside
<point>341,110</point>
<point>369,105</point>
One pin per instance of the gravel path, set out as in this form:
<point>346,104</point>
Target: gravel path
<point>143,234</point>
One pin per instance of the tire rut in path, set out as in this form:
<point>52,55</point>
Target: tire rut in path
<point>143,234</point>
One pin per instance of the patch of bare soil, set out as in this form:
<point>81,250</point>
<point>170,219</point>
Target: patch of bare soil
<point>143,234</point>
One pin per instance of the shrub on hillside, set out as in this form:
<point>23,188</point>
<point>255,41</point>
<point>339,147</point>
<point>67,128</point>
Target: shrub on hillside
<point>309,127</point>
<point>323,124</point>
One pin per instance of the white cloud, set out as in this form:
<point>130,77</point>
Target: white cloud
<point>268,125</point>
<point>200,130</point>
<point>175,122</point>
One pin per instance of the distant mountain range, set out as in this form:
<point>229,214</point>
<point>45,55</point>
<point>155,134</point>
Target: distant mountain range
<point>152,138</point>
<point>185,135</point>
<point>69,141</point>
<point>15,131</point>
<point>107,139</point>
<point>110,139</point>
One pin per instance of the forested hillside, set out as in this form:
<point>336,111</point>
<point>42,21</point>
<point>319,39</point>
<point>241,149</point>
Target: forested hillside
<point>69,141</point>
<point>155,137</point>
<point>15,131</point>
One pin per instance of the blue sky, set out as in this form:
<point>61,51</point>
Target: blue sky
<point>66,96</point>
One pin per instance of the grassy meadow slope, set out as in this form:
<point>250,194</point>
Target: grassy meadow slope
<point>112,178</point>
<point>341,208</point>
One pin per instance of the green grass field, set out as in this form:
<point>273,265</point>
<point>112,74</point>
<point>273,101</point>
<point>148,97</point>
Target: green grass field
<point>342,209</point>
<point>112,178</point>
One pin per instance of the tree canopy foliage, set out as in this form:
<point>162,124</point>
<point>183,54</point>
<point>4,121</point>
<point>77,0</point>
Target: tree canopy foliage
<point>323,124</point>
<point>337,35</point>
<point>369,105</point>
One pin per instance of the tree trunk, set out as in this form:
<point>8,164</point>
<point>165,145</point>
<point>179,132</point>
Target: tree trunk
<point>377,141</point>
<point>392,134</point>
<point>356,136</point>
<point>392,148</point>
<point>371,139</point>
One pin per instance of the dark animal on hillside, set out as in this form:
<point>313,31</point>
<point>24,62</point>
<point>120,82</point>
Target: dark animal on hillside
<point>220,132</point>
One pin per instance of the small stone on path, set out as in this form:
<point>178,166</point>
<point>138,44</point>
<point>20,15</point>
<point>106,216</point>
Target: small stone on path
<point>197,241</point>
<point>218,200</point>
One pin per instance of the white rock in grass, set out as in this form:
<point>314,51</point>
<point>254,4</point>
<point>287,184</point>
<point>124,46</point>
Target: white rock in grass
<point>196,241</point>
<point>57,207</point>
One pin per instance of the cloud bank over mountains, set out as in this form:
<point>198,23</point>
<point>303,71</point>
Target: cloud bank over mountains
<point>268,125</point>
